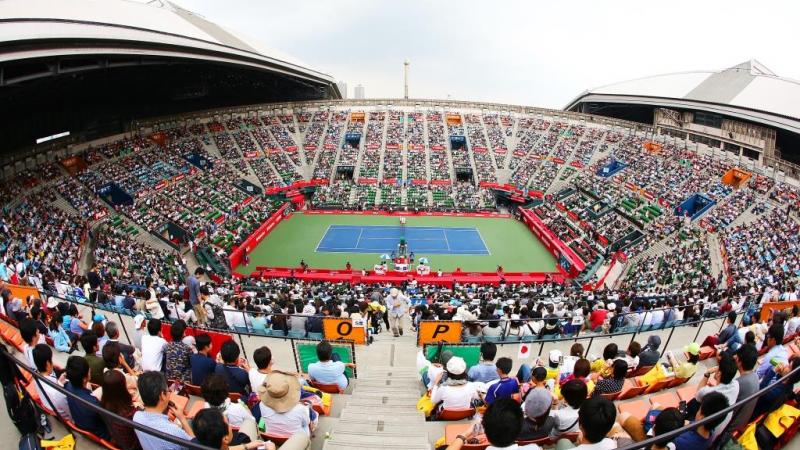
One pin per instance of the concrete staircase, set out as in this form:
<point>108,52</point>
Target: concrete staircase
<point>380,411</point>
<point>712,240</point>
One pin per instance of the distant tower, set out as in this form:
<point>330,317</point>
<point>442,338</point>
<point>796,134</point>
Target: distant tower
<point>342,88</point>
<point>406,63</point>
<point>358,92</point>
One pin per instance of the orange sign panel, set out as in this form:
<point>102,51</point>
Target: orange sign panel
<point>334,328</point>
<point>435,331</point>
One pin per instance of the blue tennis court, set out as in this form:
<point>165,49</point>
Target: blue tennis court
<point>420,240</point>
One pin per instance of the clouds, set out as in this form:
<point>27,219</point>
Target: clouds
<point>522,52</point>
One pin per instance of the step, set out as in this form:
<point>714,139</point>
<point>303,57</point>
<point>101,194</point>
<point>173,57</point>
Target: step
<point>374,427</point>
<point>408,383</point>
<point>330,445</point>
<point>378,439</point>
<point>376,403</point>
<point>368,417</point>
<point>399,396</point>
<point>387,390</point>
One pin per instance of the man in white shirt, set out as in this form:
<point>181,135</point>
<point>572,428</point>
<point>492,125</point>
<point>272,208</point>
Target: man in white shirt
<point>153,347</point>
<point>50,397</point>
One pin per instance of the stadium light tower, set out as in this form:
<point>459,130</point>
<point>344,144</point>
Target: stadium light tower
<point>406,63</point>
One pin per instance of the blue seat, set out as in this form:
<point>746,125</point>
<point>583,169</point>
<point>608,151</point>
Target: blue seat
<point>241,329</point>
<point>472,339</point>
<point>512,339</point>
<point>297,334</point>
<point>317,336</point>
<point>491,338</point>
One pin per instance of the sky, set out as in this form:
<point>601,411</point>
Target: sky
<point>533,53</point>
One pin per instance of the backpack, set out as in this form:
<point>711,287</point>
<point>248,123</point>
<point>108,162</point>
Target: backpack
<point>30,441</point>
<point>21,409</point>
<point>218,322</point>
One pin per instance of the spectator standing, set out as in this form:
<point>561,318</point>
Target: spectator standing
<point>397,303</point>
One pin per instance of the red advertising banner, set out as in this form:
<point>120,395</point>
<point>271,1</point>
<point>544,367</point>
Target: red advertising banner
<point>252,242</point>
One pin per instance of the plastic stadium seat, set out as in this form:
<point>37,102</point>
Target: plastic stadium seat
<point>276,438</point>
<point>658,385</point>
<point>630,390</point>
<point>472,339</point>
<point>196,407</point>
<point>677,382</point>
<point>512,339</point>
<point>332,388</point>
<point>191,389</point>
<point>611,395</point>
<point>666,400</point>
<point>241,329</point>
<point>636,408</point>
<point>317,336</point>
<point>687,393</point>
<point>491,339</point>
<point>642,370</point>
<point>180,401</point>
<point>707,352</point>
<point>297,334</point>
<point>455,414</point>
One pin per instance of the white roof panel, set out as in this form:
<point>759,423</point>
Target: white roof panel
<point>675,85</point>
<point>776,95</point>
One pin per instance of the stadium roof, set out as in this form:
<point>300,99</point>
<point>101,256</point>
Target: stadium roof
<point>124,22</point>
<point>748,90</point>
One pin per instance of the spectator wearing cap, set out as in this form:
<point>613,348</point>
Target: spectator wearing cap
<point>456,392</point>
<point>398,310</point>
<point>505,386</point>
<point>486,370</point>
<point>689,367</point>
<point>280,406</point>
<point>538,423</point>
<point>552,370</point>
<point>436,368</point>
<point>650,355</point>
<point>139,323</point>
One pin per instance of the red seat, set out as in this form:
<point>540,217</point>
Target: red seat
<point>630,390</point>
<point>636,408</point>
<point>277,439</point>
<point>641,370</point>
<point>687,393</point>
<point>455,414</point>
<point>658,385</point>
<point>677,382</point>
<point>666,400</point>
<point>331,388</point>
<point>611,395</point>
<point>191,389</point>
<point>707,352</point>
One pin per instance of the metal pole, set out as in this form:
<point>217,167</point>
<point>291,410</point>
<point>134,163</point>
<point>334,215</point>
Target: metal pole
<point>699,327</point>
<point>666,344</point>
<point>586,352</point>
<point>124,328</point>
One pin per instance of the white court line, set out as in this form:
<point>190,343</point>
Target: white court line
<point>489,252</point>
<point>316,250</point>
<point>444,233</point>
<point>360,231</point>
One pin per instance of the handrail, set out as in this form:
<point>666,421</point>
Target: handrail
<point>742,310</point>
<point>95,408</point>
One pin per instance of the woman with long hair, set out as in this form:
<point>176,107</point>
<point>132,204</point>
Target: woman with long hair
<point>118,400</point>
<point>61,340</point>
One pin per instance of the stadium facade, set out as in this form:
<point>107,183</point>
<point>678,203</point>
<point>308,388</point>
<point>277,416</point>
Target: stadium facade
<point>746,110</point>
<point>91,67</point>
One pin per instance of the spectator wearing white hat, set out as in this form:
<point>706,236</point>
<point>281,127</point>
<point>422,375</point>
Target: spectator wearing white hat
<point>455,392</point>
<point>398,310</point>
<point>139,323</point>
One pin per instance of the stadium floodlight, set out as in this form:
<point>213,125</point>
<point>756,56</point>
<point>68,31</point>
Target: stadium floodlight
<point>52,136</point>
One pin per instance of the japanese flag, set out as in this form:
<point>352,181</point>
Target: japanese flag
<point>524,351</point>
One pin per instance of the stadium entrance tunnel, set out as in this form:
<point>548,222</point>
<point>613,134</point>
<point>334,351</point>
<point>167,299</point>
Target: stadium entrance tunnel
<point>345,172</point>
<point>458,143</point>
<point>352,139</point>
<point>464,174</point>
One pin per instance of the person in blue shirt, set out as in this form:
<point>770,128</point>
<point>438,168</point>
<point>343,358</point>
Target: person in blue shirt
<point>329,370</point>
<point>486,371</point>
<point>776,349</point>
<point>701,437</point>
<point>505,386</point>
<point>154,394</point>
<point>202,364</point>
<point>78,375</point>
<point>234,370</point>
